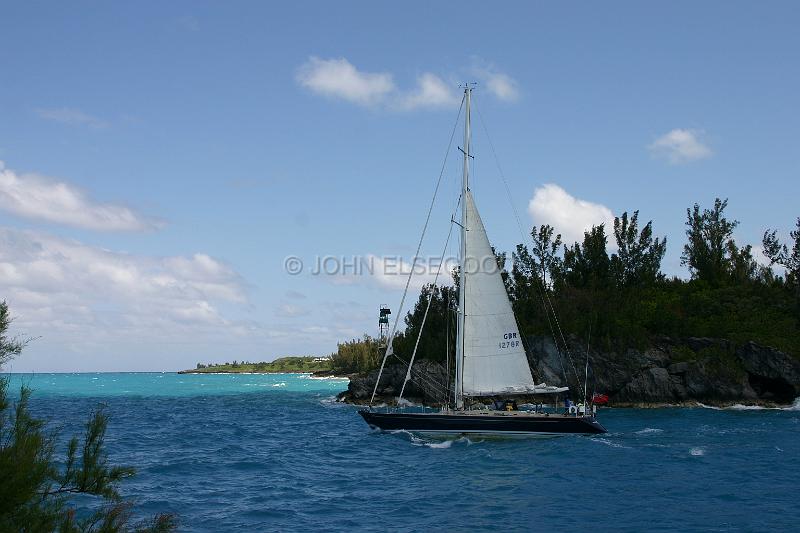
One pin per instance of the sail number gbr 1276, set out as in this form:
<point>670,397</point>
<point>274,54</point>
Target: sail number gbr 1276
<point>510,340</point>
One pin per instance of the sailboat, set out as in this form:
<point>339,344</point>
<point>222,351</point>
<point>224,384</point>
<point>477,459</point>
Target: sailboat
<point>490,359</point>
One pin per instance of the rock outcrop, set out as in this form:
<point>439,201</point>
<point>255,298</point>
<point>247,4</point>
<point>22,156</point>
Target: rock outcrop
<point>428,383</point>
<point>670,371</point>
<point>705,370</point>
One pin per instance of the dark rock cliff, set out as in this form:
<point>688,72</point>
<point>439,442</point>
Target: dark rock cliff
<point>428,383</point>
<point>670,371</point>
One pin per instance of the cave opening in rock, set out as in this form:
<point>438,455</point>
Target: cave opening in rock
<point>774,389</point>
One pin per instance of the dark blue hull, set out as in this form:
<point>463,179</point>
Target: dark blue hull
<point>490,424</point>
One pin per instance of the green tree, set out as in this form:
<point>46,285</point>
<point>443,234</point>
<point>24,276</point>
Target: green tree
<point>433,342</point>
<point>587,264</point>
<point>623,299</point>
<point>545,253</point>
<point>779,254</point>
<point>526,286</point>
<point>708,250</point>
<point>357,355</point>
<point>35,492</point>
<point>637,261</point>
<point>743,267</point>
<point>9,347</point>
<point>501,259</point>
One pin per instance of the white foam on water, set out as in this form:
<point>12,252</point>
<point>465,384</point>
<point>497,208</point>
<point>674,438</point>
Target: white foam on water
<point>697,452</point>
<point>610,443</point>
<point>333,401</point>
<point>435,444</point>
<point>439,445</point>
<point>742,407</point>
<point>413,438</point>
<point>795,406</point>
<point>281,384</point>
<point>406,403</point>
<point>649,431</point>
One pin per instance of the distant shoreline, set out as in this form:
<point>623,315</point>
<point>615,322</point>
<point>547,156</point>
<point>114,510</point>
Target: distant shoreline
<point>317,374</point>
<point>321,366</point>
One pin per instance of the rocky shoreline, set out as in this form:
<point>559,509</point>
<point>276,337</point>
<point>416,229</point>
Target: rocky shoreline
<point>670,373</point>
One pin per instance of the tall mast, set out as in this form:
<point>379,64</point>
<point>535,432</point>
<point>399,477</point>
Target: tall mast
<point>459,392</point>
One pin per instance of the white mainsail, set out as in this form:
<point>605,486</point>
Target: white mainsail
<point>490,356</point>
<point>494,360</point>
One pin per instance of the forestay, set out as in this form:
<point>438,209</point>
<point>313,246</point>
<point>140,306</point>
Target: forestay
<point>494,357</point>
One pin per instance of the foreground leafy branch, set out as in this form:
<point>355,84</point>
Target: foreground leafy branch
<point>34,492</point>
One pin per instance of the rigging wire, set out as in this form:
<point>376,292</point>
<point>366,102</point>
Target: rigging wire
<point>586,375</point>
<point>546,302</point>
<point>424,381</point>
<point>389,349</point>
<point>410,364</point>
<point>428,307</point>
<point>447,344</point>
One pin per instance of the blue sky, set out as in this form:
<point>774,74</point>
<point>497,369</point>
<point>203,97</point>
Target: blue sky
<point>161,160</point>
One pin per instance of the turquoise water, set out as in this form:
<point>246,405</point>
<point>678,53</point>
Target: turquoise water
<point>276,453</point>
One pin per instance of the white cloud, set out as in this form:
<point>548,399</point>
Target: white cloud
<point>296,295</point>
<point>57,286</point>
<point>503,87</point>
<point>93,309</point>
<point>67,115</point>
<point>287,310</point>
<point>680,146</point>
<point>391,272</point>
<point>42,198</point>
<point>338,78</point>
<point>431,91</point>
<point>385,272</point>
<point>570,216</point>
<point>500,85</point>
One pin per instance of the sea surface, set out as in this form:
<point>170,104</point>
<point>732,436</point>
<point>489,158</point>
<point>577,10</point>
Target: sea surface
<point>278,453</point>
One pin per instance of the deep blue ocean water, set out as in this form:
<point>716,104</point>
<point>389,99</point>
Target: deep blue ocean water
<point>276,453</point>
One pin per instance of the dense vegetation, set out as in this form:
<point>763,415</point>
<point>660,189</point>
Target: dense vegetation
<point>357,355</point>
<point>282,364</point>
<point>36,489</point>
<point>621,299</point>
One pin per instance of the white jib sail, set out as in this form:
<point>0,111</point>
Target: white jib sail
<point>494,356</point>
